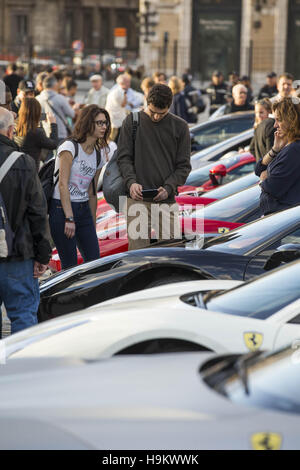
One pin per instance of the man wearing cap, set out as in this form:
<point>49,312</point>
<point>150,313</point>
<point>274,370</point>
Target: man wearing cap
<point>98,93</point>
<point>25,89</point>
<point>270,88</point>
<point>217,91</point>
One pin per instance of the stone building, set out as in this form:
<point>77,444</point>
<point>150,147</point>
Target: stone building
<point>252,37</point>
<point>50,26</point>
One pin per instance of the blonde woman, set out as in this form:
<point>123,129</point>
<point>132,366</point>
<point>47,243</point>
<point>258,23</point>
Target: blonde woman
<point>178,106</point>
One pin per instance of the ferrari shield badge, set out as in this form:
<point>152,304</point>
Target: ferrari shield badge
<point>223,229</point>
<point>266,441</point>
<point>253,340</point>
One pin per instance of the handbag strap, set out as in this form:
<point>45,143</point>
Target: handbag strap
<point>9,162</point>
<point>64,121</point>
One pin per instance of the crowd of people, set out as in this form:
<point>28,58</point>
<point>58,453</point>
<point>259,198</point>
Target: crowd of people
<point>42,121</point>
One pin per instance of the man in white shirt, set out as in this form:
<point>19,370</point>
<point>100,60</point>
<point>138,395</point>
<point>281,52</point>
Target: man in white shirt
<point>98,93</point>
<point>116,105</point>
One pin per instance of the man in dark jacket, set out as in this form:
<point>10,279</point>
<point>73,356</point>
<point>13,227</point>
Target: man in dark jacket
<point>270,88</point>
<point>160,160</point>
<point>26,209</point>
<point>239,103</point>
<point>218,91</point>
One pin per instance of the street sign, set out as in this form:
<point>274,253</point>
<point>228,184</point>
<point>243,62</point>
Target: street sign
<point>77,45</point>
<point>120,38</point>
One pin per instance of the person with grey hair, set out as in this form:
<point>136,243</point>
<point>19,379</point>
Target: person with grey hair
<point>25,258</point>
<point>239,102</point>
<point>98,93</point>
<point>57,104</point>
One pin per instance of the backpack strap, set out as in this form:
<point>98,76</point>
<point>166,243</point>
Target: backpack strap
<point>98,154</point>
<point>75,143</point>
<point>6,166</point>
<point>135,124</point>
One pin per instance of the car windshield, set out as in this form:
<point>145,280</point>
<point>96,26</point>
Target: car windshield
<point>245,240</point>
<point>273,381</point>
<point>232,208</point>
<point>261,297</point>
<point>234,186</point>
<point>199,176</point>
<point>215,132</point>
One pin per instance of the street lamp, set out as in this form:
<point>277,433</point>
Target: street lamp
<point>147,21</point>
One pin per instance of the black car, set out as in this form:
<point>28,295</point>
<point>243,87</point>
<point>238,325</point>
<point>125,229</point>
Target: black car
<point>212,132</point>
<point>241,254</point>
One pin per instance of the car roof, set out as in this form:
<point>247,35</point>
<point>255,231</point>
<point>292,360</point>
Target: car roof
<point>225,117</point>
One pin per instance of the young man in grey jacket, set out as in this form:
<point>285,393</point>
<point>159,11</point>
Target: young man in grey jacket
<point>160,160</point>
<point>54,103</point>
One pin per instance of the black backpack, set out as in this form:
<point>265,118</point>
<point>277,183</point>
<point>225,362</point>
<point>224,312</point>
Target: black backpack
<point>49,178</point>
<point>6,233</point>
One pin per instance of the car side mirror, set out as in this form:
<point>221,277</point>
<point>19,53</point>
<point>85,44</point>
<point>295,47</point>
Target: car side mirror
<point>283,254</point>
<point>218,170</point>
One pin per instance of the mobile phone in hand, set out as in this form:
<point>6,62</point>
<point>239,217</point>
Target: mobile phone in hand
<point>149,193</point>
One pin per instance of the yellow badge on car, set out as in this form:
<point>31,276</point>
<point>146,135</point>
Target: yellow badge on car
<point>253,340</point>
<point>266,441</point>
<point>223,229</point>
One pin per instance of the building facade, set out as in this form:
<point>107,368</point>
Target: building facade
<point>252,37</point>
<point>50,26</point>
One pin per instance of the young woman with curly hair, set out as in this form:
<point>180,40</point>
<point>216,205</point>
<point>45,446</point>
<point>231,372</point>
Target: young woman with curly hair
<point>72,212</point>
<point>279,170</point>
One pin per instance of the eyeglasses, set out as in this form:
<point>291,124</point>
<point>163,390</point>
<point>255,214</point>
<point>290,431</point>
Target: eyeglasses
<point>101,123</point>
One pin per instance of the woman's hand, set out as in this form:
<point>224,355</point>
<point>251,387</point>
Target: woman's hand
<point>263,175</point>
<point>279,141</point>
<point>51,119</point>
<point>69,229</point>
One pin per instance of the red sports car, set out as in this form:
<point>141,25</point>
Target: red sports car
<point>208,177</point>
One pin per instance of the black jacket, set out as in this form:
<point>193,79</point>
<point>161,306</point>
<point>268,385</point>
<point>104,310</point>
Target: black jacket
<point>35,141</point>
<point>281,189</point>
<point>233,108</point>
<point>26,207</point>
<point>263,139</point>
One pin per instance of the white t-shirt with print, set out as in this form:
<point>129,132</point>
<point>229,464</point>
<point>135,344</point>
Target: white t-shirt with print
<point>83,170</point>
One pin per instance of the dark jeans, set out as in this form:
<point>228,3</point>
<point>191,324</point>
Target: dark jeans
<point>85,233</point>
<point>19,291</point>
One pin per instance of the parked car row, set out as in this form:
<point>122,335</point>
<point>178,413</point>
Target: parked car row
<point>189,344</point>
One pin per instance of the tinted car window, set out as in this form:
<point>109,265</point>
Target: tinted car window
<point>246,239</point>
<point>199,176</point>
<point>273,381</point>
<point>233,187</point>
<point>262,297</point>
<point>231,208</point>
<point>239,171</point>
<point>216,132</point>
